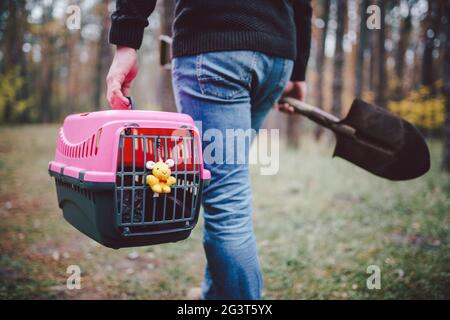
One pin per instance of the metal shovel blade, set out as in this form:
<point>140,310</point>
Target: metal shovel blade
<point>374,139</point>
<point>383,143</point>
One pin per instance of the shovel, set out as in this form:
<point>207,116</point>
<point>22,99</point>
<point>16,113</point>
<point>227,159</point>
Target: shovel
<point>374,139</point>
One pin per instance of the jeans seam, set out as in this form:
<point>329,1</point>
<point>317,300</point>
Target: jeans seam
<point>279,87</point>
<point>198,70</point>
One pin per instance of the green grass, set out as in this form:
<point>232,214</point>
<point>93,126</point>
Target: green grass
<point>319,224</point>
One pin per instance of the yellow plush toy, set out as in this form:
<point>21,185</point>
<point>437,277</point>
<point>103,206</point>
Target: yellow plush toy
<point>160,180</point>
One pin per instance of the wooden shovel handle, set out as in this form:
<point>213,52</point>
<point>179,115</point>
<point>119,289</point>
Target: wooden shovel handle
<point>312,112</point>
<point>320,117</point>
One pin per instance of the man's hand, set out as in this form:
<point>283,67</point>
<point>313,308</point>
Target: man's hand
<point>122,72</point>
<point>294,89</point>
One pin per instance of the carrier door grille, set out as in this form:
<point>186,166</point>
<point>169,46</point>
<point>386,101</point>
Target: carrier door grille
<point>139,209</point>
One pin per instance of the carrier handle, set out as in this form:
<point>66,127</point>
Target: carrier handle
<point>131,99</point>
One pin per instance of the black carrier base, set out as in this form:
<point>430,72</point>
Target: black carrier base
<point>91,207</point>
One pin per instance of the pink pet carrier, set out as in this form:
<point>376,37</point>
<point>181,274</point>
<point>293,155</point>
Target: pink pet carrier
<point>101,169</point>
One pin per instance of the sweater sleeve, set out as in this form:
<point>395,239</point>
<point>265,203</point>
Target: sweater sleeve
<point>302,16</point>
<point>129,21</point>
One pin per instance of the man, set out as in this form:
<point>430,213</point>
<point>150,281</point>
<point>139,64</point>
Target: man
<point>232,61</point>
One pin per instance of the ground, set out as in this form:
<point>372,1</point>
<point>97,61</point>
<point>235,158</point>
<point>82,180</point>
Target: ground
<point>319,224</point>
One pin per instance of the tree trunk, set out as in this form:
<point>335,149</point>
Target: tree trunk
<point>446,87</point>
<point>430,34</point>
<point>373,71</point>
<point>8,53</point>
<point>293,131</point>
<point>104,56</point>
<point>24,92</point>
<point>380,98</point>
<point>359,81</point>
<point>321,54</point>
<point>405,33</point>
<point>167,100</point>
<point>46,80</point>
<point>320,64</point>
<point>339,57</point>
<point>13,54</point>
<point>73,71</point>
<point>46,67</point>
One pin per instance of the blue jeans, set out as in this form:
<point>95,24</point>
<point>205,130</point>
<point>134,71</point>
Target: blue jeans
<point>229,90</point>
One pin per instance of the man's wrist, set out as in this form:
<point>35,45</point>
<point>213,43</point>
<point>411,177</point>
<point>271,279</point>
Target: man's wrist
<point>121,47</point>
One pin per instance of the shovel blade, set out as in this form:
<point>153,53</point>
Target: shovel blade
<point>384,144</point>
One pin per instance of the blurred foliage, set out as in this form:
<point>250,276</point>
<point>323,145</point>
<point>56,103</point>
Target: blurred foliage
<point>422,108</point>
<point>12,85</point>
<point>63,71</point>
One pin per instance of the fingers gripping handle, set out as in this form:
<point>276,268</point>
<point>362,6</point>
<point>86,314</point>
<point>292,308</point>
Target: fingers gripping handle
<point>131,99</point>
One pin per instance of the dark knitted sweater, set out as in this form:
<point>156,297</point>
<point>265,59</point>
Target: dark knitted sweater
<point>280,28</point>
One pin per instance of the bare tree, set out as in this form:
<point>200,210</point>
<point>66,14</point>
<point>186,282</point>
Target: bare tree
<point>104,55</point>
<point>47,66</point>
<point>359,68</point>
<point>446,87</point>
<point>167,99</point>
<point>13,54</point>
<point>73,40</point>
<point>405,35</point>
<point>430,34</point>
<point>373,62</point>
<point>380,96</point>
<point>293,131</point>
<point>320,61</point>
<point>339,56</point>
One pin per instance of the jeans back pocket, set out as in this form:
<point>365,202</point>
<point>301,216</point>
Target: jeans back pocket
<point>225,74</point>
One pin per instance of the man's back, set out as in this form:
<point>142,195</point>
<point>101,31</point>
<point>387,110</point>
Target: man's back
<point>213,25</point>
